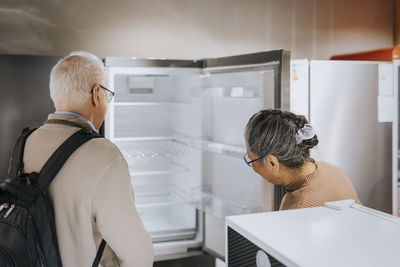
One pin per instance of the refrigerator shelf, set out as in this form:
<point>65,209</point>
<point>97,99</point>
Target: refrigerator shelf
<point>221,148</point>
<point>138,103</point>
<point>159,195</point>
<point>226,92</point>
<point>157,168</point>
<point>143,138</point>
<point>204,199</point>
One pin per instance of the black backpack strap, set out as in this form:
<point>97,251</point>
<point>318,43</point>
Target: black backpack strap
<point>61,155</point>
<point>16,166</point>
<point>99,253</point>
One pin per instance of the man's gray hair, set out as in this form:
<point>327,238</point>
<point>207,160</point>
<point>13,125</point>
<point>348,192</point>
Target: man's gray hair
<point>273,132</point>
<point>73,77</point>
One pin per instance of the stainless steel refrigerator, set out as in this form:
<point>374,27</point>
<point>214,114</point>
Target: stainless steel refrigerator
<point>24,99</point>
<point>180,126</point>
<point>350,103</point>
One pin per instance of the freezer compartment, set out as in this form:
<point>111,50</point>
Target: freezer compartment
<point>153,157</point>
<point>142,88</point>
<point>166,212</point>
<point>206,200</point>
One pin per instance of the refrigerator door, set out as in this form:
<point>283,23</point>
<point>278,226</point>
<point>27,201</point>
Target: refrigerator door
<point>344,110</point>
<point>232,89</point>
<point>25,98</point>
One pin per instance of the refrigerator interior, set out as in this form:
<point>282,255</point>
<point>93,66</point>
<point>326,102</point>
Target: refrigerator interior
<point>181,132</point>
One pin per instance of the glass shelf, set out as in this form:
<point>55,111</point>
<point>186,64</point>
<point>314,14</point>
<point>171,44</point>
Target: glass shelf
<point>142,138</point>
<point>141,103</point>
<point>226,92</point>
<point>221,148</point>
<point>159,195</point>
<point>137,135</point>
<point>204,199</point>
<point>153,157</point>
<point>156,168</point>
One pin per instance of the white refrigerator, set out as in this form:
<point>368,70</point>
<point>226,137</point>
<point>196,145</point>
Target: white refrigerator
<point>180,126</point>
<point>351,105</point>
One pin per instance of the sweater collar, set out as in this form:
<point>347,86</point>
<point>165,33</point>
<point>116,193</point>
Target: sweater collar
<point>304,181</point>
<point>71,118</point>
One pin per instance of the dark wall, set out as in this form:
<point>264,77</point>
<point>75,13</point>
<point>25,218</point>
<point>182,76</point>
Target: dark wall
<point>24,99</point>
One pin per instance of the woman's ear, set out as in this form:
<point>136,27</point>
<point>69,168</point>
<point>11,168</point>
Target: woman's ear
<point>272,162</point>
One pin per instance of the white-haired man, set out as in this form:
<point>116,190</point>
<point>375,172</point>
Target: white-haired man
<point>91,195</point>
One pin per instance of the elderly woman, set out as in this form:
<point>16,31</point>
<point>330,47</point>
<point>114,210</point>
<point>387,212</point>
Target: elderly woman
<point>278,148</point>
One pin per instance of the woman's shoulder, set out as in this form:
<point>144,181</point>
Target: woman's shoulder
<point>326,168</point>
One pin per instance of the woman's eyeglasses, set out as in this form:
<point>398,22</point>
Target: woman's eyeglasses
<point>249,161</point>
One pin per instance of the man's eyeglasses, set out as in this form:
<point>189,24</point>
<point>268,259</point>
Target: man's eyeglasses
<point>249,161</point>
<point>110,94</point>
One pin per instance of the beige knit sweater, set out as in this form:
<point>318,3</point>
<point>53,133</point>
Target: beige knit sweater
<point>92,198</point>
<point>326,183</point>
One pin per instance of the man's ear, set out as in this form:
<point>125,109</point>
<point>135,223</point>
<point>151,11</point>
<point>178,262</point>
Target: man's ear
<point>96,95</point>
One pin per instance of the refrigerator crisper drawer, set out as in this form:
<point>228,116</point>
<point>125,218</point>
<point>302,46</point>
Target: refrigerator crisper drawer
<point>243,253</point>
<point>166,212</point>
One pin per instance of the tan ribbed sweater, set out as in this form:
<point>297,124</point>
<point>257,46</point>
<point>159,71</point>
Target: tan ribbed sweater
<point>326,183</point>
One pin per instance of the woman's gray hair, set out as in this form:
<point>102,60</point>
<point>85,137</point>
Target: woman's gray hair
<point>273,132</point>
<point>73,77</point>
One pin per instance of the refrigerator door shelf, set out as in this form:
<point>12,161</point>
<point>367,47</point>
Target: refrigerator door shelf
<point>205,200</point>
<point>226,92</point>
<point>226,149</point>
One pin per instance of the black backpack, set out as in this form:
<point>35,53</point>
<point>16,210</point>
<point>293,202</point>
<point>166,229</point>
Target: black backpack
<point>27,227</point>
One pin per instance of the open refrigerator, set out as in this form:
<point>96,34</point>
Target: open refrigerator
<point>180,126</point>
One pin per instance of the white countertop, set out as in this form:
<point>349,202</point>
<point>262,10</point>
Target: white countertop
<point>323,236</point>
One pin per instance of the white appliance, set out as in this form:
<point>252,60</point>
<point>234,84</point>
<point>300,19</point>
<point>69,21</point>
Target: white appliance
<point>396,143</point>
<point>350,103</point>
<point>340,234</point>
<point>180,125</point>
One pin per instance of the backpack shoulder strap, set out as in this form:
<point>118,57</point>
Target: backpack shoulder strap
<point>61,155</point>
<point>16,166</point>
<point>99,253</point>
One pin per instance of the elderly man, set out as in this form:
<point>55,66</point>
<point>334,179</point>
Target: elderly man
<point>91,195</point>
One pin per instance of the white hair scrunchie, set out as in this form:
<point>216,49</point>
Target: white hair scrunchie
<point>305,133</point>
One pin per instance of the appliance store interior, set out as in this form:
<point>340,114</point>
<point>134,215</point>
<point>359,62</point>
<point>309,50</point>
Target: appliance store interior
<point>191,88</point>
